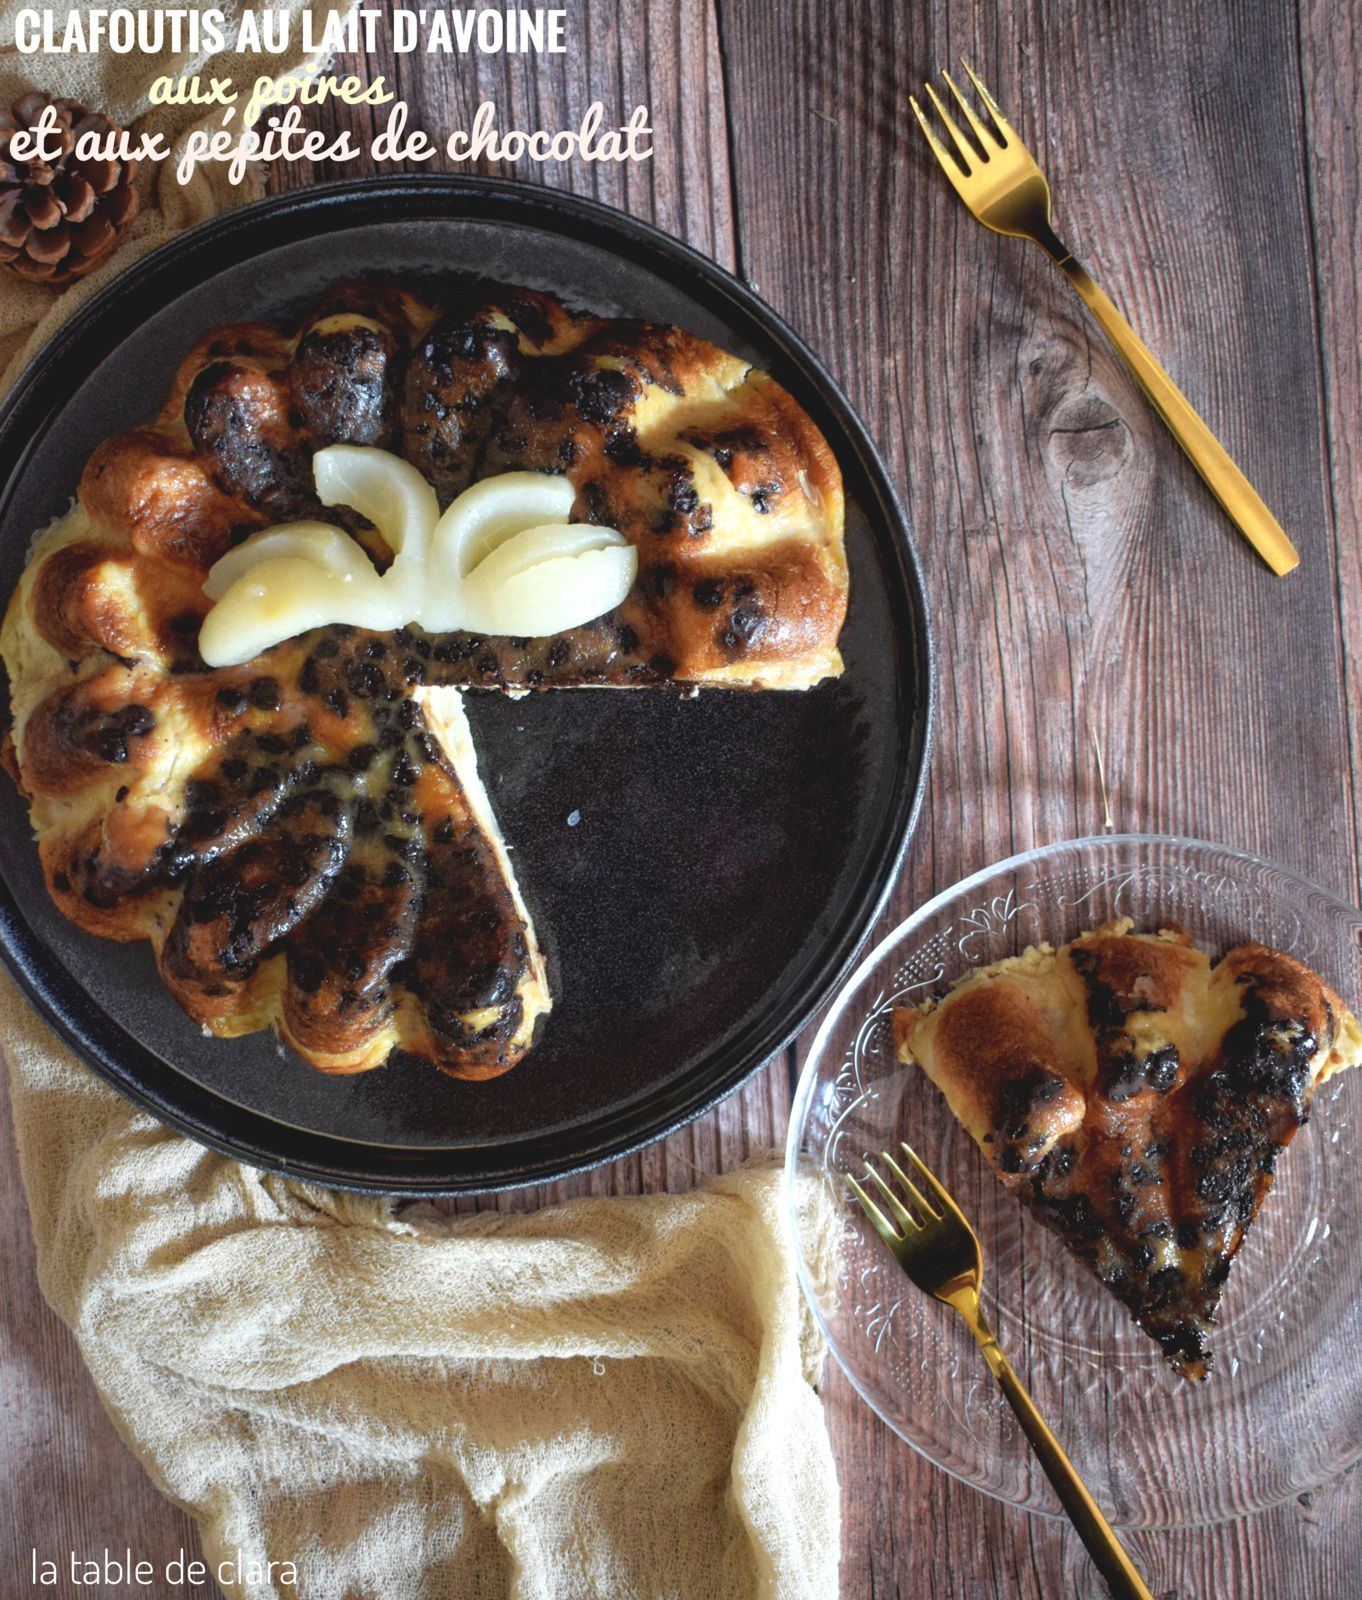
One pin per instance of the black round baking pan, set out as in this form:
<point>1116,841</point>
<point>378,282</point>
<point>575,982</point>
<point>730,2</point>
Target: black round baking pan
<point>700,869</point>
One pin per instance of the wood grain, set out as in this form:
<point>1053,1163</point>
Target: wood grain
<point>1081,574</point>
<point>1204,161</point>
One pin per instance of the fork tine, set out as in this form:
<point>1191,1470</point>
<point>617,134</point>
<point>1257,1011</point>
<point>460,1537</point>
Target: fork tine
<point>1005,129</point>
<point>882,1224</point>
<point>948,1206</point>
<point>984,135</point>
<point>914,1193</point>
<point>905,1218</point>
<point>969,156</point>
<point>949,165</point>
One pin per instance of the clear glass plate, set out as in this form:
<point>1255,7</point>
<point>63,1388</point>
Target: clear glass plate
<point>1282,1411</point>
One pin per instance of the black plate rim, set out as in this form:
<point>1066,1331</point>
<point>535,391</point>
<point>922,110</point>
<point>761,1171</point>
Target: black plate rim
<point>244,1135</point>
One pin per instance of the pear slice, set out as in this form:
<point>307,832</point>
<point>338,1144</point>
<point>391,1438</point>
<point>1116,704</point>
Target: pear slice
<point>283,596</point>
<point>505,560</point>
<point>326,547</point>
<point>392,494</point>
<point>489,512</point>
<point>545,580</point>
<point>384,489</point>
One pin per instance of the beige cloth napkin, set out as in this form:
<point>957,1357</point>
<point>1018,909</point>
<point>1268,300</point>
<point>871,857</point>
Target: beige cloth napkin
<point>609,1398</point>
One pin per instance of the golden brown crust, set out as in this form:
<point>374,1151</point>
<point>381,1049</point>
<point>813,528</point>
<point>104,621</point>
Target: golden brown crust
<point>1008,1073</point>
<point>292,836</point>
<point>727,490</point>
<point>1140,973</point>
<point>1287,990</point>
<point>1138,1098</point>
<point>95,594</point>
<point>295,846</point>
<point>142,490</point>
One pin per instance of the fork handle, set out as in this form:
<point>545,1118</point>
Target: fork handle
<point>1093,1528</point>
<point>1227,483</point>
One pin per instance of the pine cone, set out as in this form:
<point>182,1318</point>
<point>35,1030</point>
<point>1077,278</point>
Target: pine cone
<point>59,220</point>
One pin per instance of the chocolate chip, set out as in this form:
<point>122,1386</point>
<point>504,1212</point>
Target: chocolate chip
<point>681,494</point>
<point>364,679</point>
<point>622,447</point>
<point>748,622</point>
<point>306,969</point>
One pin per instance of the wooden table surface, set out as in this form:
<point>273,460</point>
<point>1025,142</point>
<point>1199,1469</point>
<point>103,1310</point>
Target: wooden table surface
<point>1204,157</point>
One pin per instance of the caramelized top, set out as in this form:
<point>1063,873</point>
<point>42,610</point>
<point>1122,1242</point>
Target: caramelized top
<point>723,484</point>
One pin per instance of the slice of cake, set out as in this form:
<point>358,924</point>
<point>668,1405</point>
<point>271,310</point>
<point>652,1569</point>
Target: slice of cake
<point>1138,1099</point>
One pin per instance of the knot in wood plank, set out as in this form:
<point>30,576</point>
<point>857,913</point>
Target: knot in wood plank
<point>1088,442</point>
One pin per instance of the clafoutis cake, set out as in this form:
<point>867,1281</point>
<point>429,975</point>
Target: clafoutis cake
<point>237,665</point>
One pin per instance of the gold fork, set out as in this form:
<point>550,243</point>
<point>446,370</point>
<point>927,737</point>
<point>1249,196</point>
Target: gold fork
<point>940,1252</point>
<point>999,181</point>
